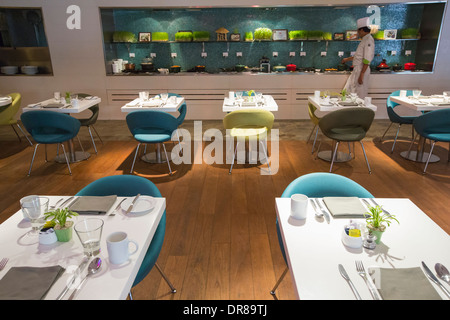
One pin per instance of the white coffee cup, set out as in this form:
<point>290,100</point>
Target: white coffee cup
<point>316,94</point>
<point>117,244</point>
<point>231,95</point>
<point>402,93</point>
<point>299,206</point>
<point>367,101</point>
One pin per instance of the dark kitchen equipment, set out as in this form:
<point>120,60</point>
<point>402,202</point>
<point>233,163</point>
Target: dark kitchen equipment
<point>239,67</point>
<point>383,66</point>
<point>264,64</point>
<point>129,66</point>
<point>200,68</point>
<point>147,65</point>
<point>175,69</point>
<point>397,67</point>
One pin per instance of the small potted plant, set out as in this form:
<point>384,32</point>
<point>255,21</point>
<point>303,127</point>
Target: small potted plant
<point>377,221</point>
<point>62,227</point>
<point>343,94</point>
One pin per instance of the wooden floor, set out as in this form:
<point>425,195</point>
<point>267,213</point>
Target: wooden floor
<point>221,241</point>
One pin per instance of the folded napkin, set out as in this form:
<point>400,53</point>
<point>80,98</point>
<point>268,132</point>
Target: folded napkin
<point>403,284</point>
<point>53,105</point>
<point>152,103</point>
<point>348,103</point>
<point>93,204</point>
<point>345,207</point>
<point>28,283</point>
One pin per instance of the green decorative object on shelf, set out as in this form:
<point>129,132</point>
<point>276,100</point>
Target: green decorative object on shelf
<point>379,35</point>
<point>315,35</point>
<point>263,34</point>
<point>160,36</point>
<point>410,33</point>
<point>248,36</point>
<point>298,35</point>
<point>124,36</point>
<point>184,36</point>
<point>201,35</point>
<point>327,36</point>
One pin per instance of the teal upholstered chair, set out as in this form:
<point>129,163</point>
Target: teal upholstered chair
<point>130,186</point>
<point>395,118</point>
<point>435,126</point>
<point>8,113</point>
<point>89,122</point>
<point>49,127</point>
<point>319,185</point>
<point>347,125</point>
<point>151,126</point>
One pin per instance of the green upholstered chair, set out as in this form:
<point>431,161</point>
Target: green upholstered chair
<point>319,185</point>
<point>247,124</point>
<point>395,118</point>
<point>49,127</point>
<point>8,112</point>
<point>315,120</point>
<point>435,126</point>
<point>348,125</point>
<point>151,126</point>
<point>130,186</point>
<point>89,122</point>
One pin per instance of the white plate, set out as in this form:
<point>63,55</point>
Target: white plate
<point>143,205</point>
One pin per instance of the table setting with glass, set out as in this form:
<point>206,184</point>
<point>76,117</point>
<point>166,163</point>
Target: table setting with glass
<point>161,101</point>
<point>76,247</point>
<point>5,100</point>
<point>248,99</point>
<point>69,103</point>
<point>328,101</point>
<point>335,249</point>
<point>420,102</point>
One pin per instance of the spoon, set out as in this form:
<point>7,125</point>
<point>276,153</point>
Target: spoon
<point>442,272</point>
<point>93,267</point>
<point>318,213</point>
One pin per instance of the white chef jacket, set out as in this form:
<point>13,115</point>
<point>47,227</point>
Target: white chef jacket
<point>363,55</point>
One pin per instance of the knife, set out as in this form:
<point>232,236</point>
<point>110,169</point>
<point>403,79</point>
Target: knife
<point>385,211</point>
<point>433,278</point>
<point>325,213</point>
<point>315,208</point>
<point>80,267</point>
<point>346,277</point>
<point>132,204</point>
<point>62,204</point>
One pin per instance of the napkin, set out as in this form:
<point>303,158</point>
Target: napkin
<point>403,284</point>
<point>345,207</point>
<point>152,103</point>
<point>28,283</point>
<point>93,204</point>
<point>53,105</point>
<point>348,103</point>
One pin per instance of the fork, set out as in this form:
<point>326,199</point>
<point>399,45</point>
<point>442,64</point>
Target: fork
<point>117,208</point>
<point>362,273</point>
<point>3,263</point>
<point>56,204</point>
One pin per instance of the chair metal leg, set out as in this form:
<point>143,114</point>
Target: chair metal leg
<point>32,159</point>
<point>333,156</point>
<point>318,149</point>
<point>234,156</point>
<point>20,128</point>
<point>67,159</point>
<point>172,288</point>
<point>315,139</point>
<point>310,134</point>
<point>14,129</point>
<point>81,145</point>
<point>429,157</point>
<point>167,159</point>
<point>265,154</point>
<point>272,292</point>
<point>134,160</point>
<point>386,131</point>
<point>98,134</point>
<point>92,139</point>
<point>395,139</point>
<point>365,156</point>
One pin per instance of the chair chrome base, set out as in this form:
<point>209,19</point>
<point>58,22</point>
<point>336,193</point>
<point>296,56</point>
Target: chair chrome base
<point>413,156</point>
<point>77,156</point>
<point>340,156</point>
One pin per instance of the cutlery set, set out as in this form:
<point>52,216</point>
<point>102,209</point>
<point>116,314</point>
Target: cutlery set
<point>441,271</point>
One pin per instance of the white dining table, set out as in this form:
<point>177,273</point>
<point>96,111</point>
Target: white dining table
<point>153,104</point>
<point>268,103</point>
<point>111,282</point>
<point>63,107</point>
<point>334,105</point>
<point>314,249</point>
<point>422,103</point>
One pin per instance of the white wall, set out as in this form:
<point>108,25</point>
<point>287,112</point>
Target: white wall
<point>78,62</point>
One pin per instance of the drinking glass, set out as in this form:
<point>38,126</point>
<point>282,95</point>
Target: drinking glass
<point>259,97</point>
<point>353,96</point>
<point>239,95</point>
<point>416,93</point>
<point>33,207</point>
<point>57,96</point>
<point>89,232</point>
<point>164,96</point>
<point>143,96</point>
<point>446,96</point>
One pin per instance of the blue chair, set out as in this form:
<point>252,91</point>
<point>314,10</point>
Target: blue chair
<point>129,186</point>
<point>151,126</point>
<point>435,126</point>
<point>395,118</point>
<point>319,185</point>
<point>49,127</point>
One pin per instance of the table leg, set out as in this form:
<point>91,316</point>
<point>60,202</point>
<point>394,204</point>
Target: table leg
<point>340,156</point>
<point>155,157</point>
<point>74,156</point>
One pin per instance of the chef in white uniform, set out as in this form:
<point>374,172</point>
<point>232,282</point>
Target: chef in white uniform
<point>359,79</point>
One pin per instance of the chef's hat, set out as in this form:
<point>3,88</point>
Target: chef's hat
<point>363,22</point>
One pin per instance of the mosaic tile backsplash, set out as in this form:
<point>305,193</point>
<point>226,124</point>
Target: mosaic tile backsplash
<point>327,19</point>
